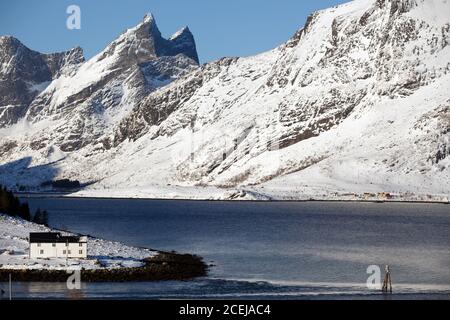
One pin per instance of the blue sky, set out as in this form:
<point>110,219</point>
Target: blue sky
<point>221,28</point>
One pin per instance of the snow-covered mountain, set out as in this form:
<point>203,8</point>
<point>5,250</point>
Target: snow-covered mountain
<point>355,103</point>
<point>78,107</point>
<point>24,74</point>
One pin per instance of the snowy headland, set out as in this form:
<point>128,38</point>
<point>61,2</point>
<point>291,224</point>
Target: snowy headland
<point>107,260</point>
<point>277,190</point>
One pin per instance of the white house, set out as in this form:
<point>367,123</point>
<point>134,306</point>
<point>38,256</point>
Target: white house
<point>55,245</point>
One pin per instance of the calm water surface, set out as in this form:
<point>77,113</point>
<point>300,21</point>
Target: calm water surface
<point>286,250</point>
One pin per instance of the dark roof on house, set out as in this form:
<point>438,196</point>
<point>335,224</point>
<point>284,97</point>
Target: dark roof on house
<point>52,237</point>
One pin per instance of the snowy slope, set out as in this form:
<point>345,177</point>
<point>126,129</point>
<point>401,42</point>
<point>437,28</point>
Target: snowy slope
<point>356,103</point>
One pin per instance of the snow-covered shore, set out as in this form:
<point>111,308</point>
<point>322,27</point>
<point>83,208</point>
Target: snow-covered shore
<point>102,254</point>
<point>269,192</point>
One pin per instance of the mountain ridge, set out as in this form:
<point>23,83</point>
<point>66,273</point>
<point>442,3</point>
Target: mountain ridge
<point>84,103</point>
<point>312,118</point>
<point>25,73</point>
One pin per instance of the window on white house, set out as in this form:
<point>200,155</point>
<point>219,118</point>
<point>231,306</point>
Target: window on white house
<point>53,244</point>
<point>38,244</point>
<point>80,252</point>
<point>70,252</point>
<point>67,244</point>
<point>41,251</point>
<point>80,244</point>
<point>64,251</point>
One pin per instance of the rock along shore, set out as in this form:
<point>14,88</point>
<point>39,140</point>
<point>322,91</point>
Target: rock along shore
<point>163,266</point>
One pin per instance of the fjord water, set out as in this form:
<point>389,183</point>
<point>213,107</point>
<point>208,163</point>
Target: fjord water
<point>286,250</point>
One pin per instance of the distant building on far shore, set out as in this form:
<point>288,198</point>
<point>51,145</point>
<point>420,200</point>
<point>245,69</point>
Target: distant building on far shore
<point>54,245</point>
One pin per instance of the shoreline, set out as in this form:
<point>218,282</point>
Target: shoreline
<point>41,195</point>
<point>107,261</point>
<point>163,267</point>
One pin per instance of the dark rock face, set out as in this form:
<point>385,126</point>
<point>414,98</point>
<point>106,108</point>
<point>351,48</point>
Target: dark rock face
<point>155,109</point>
<point>158,106</point>
<point>397,6</point>
<point>183,42</point>
<point>25,73</point>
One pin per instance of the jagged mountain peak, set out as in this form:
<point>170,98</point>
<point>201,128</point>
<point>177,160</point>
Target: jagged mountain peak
<point>144,43</point>
<point>181,33</point>
<point>11,45</point>
<point>183,42</point>
<point>147,28</point>
<point>5,39</point>
<point>149,18</point>
<point>77,52</point>
<point>11,41</point>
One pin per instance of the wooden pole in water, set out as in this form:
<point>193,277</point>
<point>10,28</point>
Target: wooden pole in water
<point>390,281</point>
<point>387,282</point>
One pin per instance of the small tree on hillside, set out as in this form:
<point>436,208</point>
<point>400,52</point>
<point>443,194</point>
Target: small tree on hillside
<point>41,217</point>
<point>24,211</point>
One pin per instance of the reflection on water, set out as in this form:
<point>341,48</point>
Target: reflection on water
<point>42,290</point>
<point>220,289</point>
<point>260,250</point>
